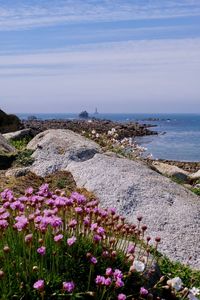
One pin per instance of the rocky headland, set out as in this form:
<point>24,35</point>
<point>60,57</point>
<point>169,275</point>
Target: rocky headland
<point>133,187</point>
<point>170,210</point>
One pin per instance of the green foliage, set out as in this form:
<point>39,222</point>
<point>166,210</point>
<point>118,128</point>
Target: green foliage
<point>24,158</point>
<point>196,191</point>
<point>171,269</point>
<point>20,144</point>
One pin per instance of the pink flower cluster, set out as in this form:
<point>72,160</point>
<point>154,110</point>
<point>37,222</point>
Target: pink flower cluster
<point>112,277</point>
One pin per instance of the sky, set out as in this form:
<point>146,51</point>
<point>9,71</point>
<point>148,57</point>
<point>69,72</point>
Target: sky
<point>121,56</point>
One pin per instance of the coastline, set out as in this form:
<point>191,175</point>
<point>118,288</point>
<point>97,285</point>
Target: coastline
<point>125,130</point>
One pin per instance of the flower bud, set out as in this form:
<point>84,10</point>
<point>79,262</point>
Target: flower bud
<point>6,249</point>
<point>1,274</point>
<point>35,268</point>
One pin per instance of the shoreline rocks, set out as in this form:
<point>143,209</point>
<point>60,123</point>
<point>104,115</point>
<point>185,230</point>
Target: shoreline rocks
<point>130,129</point>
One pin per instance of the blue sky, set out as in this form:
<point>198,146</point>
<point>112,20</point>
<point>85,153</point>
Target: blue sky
<point>117,55</point>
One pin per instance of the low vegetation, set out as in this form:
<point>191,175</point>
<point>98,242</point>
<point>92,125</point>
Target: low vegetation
<point>21,144</point>
<point>64,246</point>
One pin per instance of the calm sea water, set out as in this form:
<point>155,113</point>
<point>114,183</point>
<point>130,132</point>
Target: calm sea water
<point>178,139</point>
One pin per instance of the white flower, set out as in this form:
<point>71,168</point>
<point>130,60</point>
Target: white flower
<point>93,131</point>
<point>97,135</point>
<point>176,283</point>
<point>192,297</point>
<point>138,266</point>
<point>195,291</point>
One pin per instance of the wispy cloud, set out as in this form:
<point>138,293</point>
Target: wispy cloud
<point>114,76</point>
<point>108,57</point>
<point>15,15</point>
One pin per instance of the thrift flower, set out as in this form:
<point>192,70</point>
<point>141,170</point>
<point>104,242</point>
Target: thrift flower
<point>71,241</point>
<point>39,285</point>
<point>121,297</point>
<point>41,250</point>
<point>117,274</point>
<point>58,237</point>
<point>100,280</point>
<point>109,271</point>
<point>143,291</point>
<point>119,283</point>
<point>68,286</point>
<point>93,260</point>
<point>108,281</point>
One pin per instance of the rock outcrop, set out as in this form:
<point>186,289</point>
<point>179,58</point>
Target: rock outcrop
<point>169,210</point>
<point>17,134</point>
<point>195,176</point>
<point>54,149</point>
<point>5,147</point>
<point>9,123</point>
<point>170,171</point>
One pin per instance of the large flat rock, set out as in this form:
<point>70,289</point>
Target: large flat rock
<point>169,210</point>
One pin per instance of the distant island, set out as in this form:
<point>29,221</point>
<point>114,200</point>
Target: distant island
<point>84,115</point>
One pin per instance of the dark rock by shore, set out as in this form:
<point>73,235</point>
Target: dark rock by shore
<point>130,129</point>
<point>9,123</point>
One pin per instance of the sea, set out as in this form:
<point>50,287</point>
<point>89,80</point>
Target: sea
<point>178,134</point>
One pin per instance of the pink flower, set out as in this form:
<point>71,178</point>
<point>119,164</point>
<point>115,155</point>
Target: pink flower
<point>22,222</point>
<point>56,222</point>
<point>78,197</point>
<point>39,285</point>
<point>68,286</point>
<point>119,283</point>
<point>72,223</point>
<point>86,221</point>
<point>94,226</point>
<point>78,210</point>
<point>117,274</point>
<point>97,238</point>
<point>108,281</point>
<point>71,241</point>
<point>131,249</point>
<point>29,191</point>
<point>41,250</point>
<point>143,291</point>
<point>3,224</point>
<point>109,271</point>
<point>100,280</point>
<point>93,260</point>
<point>121,297</point>
<point>100,230</point>
<point>58,237</point>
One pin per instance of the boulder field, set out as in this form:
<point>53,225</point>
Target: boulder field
<point>169,210</point>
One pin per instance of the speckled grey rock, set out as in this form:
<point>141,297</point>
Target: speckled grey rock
<point>55,148</point>
<point>17,172</point>
<point>169,210</point>
<point>17,134</point>
<point>5,146</point>
<point>195,176</point>
<point>170,170</point>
